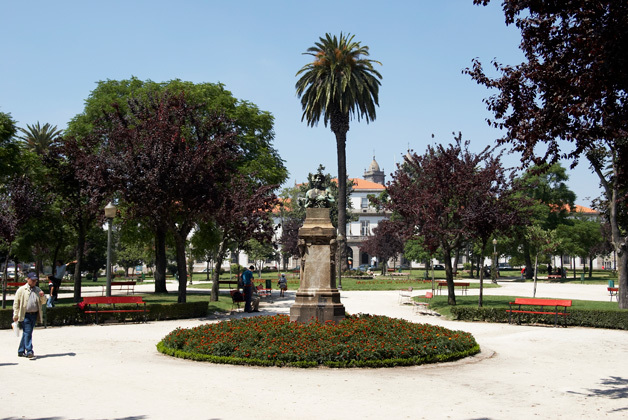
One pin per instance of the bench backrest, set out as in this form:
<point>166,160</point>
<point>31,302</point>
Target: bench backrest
<point>15,284</point>
<point>542,302</point>
<point>123,283</point>
<point>94,300</point>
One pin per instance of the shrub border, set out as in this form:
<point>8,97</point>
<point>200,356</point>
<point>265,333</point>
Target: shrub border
<point>617,320</point>
<point>72,315</point>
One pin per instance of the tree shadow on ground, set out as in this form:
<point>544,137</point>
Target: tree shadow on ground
<point>615,388</point>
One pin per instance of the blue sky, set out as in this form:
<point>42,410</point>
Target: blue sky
<point>55,51</point>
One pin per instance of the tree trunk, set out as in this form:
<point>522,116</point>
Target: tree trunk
<point>481,298</point>
<point>451,294</point>
<point>220,256</point>
<point>160,261</point>
<point>339,125</point>
<point>182,267</point>
<point>79,259</point>
<point>536,260</point>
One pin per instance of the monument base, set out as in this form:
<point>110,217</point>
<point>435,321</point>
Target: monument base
<point>318,299</point>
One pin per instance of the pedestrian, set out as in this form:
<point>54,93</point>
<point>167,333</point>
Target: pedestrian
<point>523,273</point>
<point>283,285</point>
<point>26,311</point>
<point>247,285</point>
<point>54,282</point>
<point>549,268</point>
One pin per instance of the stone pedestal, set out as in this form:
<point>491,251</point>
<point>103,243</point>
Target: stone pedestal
<point>318,298</point>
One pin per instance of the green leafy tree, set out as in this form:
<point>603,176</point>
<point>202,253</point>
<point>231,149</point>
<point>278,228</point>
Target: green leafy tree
<point>550,203</point>
<point>339,84</point>
<point>259,252</point>
<point>582,238</point>
<point>205,242</point>
<point>541,242</point>
<point>8,148</point>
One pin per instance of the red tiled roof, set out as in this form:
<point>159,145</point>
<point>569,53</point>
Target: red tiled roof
<point>363,184</point>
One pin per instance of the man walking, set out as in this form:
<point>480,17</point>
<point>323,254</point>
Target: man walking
<point>247,282</point>
<point>26,311</point>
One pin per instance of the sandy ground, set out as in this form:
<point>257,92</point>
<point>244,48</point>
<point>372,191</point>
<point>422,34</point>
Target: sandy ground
<point>523,372</point>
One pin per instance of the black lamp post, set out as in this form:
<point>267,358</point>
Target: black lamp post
<point>110,213</point>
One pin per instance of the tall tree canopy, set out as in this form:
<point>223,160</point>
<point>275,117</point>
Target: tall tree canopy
<point>258,159</point>
<point>572,90</point>
<point>170,160</point>
<point>450,195</point>
<point>339,84</point>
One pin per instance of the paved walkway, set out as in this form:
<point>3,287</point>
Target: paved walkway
<point>114,372</point>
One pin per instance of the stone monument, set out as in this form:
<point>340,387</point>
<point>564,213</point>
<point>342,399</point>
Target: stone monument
<point>317,299</point>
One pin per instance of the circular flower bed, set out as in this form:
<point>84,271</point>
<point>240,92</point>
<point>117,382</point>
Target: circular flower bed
<point>358,341</point>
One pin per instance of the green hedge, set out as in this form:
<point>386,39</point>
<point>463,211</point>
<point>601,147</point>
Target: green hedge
<point>72,315</point>
<point>617,320</point>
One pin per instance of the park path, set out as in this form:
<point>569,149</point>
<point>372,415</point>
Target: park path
<point>115,372</point>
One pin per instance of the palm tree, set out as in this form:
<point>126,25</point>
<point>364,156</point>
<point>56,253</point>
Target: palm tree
<point>337,85</point>
<point>38,138</point>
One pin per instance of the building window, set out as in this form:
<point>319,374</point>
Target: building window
<point>365,226</point>
<point>365,203</point>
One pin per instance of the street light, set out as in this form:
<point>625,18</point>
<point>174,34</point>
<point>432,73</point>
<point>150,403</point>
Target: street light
<point>494,270</point>
<point>110,213</point>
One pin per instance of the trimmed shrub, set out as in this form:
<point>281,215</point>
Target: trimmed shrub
<point>72,315</point>
<point>617,320</point>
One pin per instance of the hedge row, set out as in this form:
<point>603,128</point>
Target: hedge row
<point>72,315</point>
<point>617,320</point>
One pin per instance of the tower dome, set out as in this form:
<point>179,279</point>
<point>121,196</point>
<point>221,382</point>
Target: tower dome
<point>374,173</point>
<point>374,166</point>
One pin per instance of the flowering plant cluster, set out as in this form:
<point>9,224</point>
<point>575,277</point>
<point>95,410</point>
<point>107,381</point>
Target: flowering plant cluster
<point>358,341</point>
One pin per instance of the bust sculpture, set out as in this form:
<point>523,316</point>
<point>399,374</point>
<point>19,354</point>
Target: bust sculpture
<point>317,196</point>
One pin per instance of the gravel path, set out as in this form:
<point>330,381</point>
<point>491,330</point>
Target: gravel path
<point>115,372</point>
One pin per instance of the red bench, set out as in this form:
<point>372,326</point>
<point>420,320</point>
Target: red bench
<point>540,306</point>
<point>129,285</point>
<point>554,276</point>
<point>464,285</point>
<point>92,305</point>
<point>613,291</point>
<point>15,284</point>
